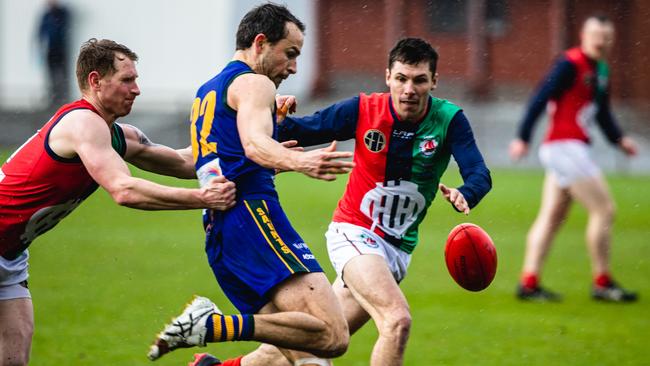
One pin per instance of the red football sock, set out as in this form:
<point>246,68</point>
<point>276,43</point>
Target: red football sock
<point>529,280</point>
<point>603,280</point>
<point>233,362</point>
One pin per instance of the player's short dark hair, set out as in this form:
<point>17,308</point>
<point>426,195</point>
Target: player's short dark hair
<point>269,19</point>
<point>99,55</point>
<point>412,51</point>
<point>599,17</point>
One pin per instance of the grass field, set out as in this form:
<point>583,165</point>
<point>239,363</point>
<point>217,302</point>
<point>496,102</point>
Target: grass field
<point>106,279</point>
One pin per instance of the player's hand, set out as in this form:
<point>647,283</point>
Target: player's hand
<point>285,104</point>
<point>455,198</point>
<point>324,163</point>
<point>219,193</point>
<point>292,145</point>
<point>628,146</point>
<point>518,149</point>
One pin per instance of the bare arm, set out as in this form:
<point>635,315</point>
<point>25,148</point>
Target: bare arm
<point>156,158</point>
<point>89,137</point>
<point>253,97</point>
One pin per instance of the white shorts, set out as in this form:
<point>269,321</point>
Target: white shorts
<point>346,241</point>
<point>12,274</point>
<point>568,160</point>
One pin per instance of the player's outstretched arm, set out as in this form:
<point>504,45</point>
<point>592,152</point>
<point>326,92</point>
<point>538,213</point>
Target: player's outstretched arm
<point>157,158</point>
<point>89,137</point>
<point>335,122</point>
<point>253,97</point>
<point>556,82</point>
<point>477,180</point>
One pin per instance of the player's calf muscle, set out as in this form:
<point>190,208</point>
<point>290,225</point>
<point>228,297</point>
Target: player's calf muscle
<point>304,332</point>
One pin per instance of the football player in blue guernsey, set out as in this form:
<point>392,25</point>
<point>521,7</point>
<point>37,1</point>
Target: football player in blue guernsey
<point>404,140</point>
<point>260,262</point>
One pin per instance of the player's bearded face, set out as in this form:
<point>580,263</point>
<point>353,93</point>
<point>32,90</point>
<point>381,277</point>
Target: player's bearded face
<point>279,60</point>
<point>410,86</point>
<point>119,90</point>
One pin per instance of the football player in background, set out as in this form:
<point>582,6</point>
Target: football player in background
<point>577,93</point>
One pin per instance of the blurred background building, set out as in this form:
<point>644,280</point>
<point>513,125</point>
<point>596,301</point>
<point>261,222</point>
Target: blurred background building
<point>492,55</point>
<point>487,46</point>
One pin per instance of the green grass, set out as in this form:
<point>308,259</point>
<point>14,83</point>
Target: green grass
<point>106,279</point>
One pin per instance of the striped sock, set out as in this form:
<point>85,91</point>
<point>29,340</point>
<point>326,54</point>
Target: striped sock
<point>222,328</point>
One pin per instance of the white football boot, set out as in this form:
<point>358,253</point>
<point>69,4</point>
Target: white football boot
<point>186,330</point>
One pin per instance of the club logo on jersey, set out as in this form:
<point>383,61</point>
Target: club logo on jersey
<point>368,241</point>
<point>428,146</point>
<point>374,140</point>
<point>393,207</point>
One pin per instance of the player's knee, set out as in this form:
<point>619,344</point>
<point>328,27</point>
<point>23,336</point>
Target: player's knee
<point>15,358</point>
<point>610,210</point>
<point>605,211</point>
<point>334,342</point>
<point>397,324</point>
<point>339,336</point>
<point>16,361</point>
<point>21,340</point>
<point>336,347</point>
<point>341,342</point>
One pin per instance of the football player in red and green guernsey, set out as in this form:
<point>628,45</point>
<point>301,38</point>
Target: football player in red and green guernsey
<point>403,142</point>
<point>576,95</point>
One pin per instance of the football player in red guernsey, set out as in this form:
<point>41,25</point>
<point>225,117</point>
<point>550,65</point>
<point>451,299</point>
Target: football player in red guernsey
<point>577,94</point>
<point>78,149</point>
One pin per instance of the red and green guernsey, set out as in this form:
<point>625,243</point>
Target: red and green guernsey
<point>398,165</point>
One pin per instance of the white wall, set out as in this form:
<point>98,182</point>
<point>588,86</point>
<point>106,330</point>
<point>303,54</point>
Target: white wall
<point>180,45</point>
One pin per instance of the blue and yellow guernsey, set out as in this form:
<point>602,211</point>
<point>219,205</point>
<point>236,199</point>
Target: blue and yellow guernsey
<point>251,247</point>
<point>216,145</point>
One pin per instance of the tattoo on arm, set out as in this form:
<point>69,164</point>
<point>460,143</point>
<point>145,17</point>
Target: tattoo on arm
<point>142,138</point>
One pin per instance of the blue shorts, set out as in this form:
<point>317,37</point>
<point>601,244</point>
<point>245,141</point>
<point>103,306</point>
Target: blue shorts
<point>252,248</point>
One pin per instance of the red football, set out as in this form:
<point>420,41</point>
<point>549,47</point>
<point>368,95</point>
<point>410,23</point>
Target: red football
<point>471,257</point>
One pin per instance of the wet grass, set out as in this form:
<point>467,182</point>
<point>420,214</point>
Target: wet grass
<point>107,278</point>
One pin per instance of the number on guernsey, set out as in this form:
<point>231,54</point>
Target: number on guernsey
<point>46,218</point>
